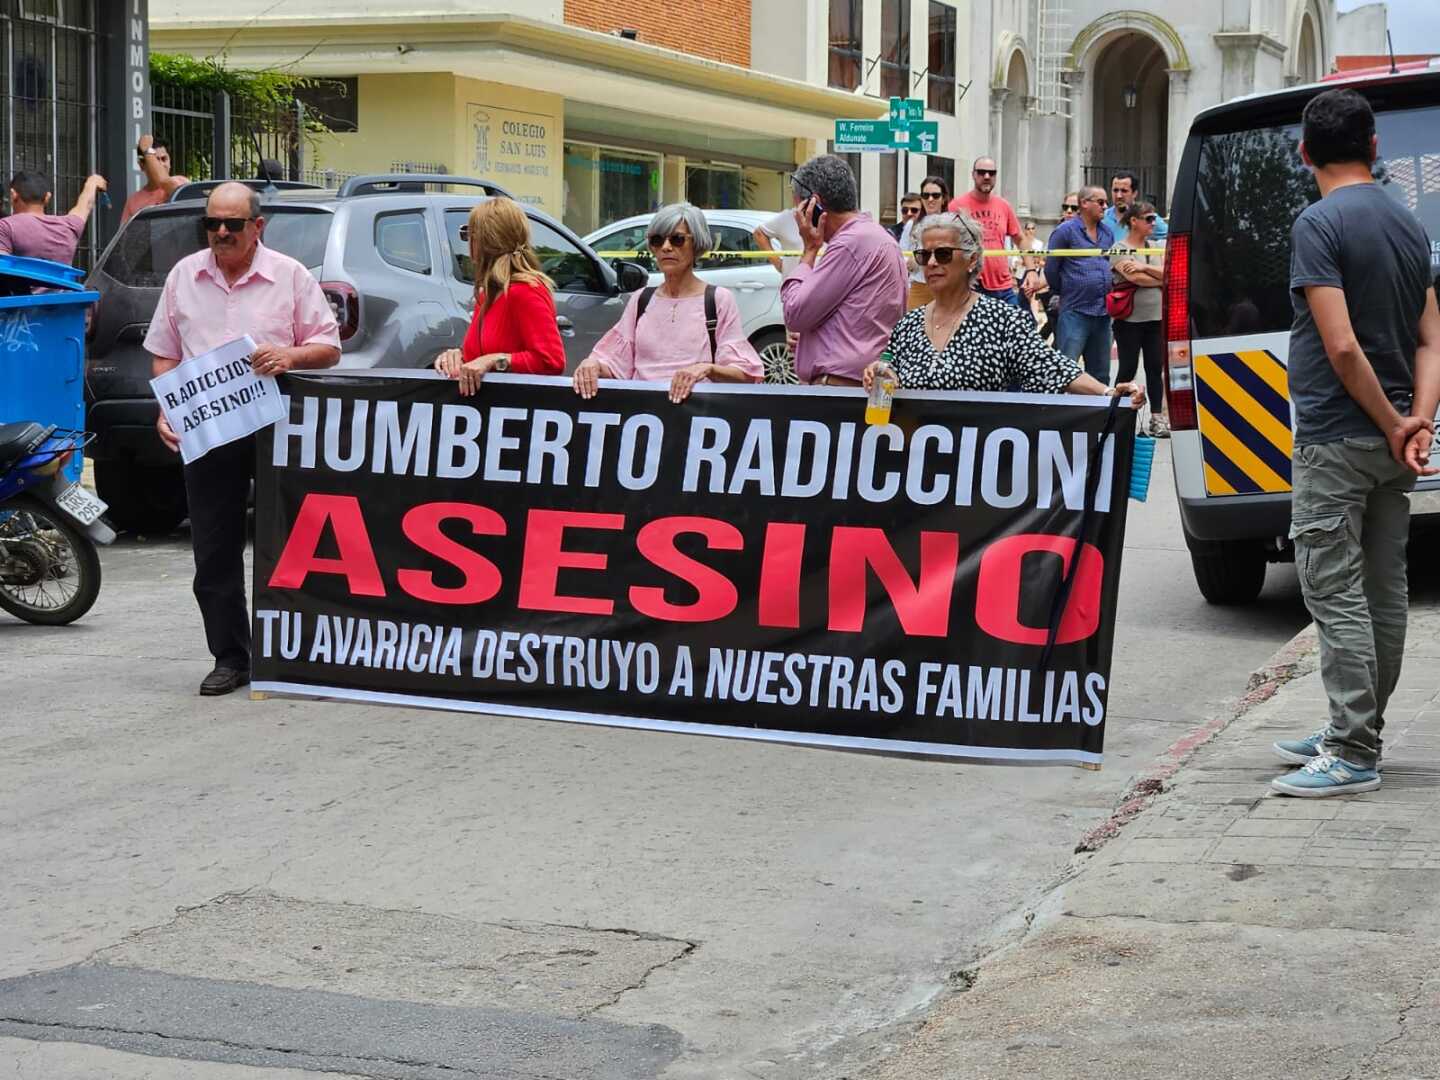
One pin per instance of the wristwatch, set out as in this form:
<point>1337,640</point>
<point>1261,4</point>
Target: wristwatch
<point>502,362</point>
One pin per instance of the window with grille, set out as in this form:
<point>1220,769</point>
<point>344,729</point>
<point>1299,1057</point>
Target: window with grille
<point>847,61</point>
<point>47,103</point>
<point>941,96</point>
<point>895,48</point>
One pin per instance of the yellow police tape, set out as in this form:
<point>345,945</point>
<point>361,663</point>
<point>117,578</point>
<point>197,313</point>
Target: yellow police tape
<point>989,253</point>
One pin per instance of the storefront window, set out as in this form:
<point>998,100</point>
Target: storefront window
<point>895,48</point>
<point>604,184</point>
<point>942,58</point>
<point>846,58</point>
<point>714,187</point>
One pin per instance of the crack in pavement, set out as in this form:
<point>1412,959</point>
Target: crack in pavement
<point>689,947</point>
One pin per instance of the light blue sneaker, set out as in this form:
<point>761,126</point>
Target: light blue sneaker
<point>1303,751</point>
<point>1325,775</point>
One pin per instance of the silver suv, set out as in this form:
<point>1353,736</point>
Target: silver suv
<point>388,252</point>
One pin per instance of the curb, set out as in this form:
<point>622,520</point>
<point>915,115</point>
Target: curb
<point>1282,666</point>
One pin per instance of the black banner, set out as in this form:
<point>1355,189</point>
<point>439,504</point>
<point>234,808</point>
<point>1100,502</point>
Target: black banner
<point>757,562</point>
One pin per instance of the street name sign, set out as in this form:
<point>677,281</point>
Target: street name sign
<point>925,137</point>
<point>860,135</point>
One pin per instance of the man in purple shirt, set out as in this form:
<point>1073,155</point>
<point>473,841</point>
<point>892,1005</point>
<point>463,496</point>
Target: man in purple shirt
<point>845,307</point>
<point>30,231</point>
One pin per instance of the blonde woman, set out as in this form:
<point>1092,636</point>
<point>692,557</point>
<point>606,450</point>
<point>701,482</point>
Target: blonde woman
<point>513,328</point>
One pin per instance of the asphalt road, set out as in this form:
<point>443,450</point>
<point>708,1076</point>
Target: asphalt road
<point>389,892</point>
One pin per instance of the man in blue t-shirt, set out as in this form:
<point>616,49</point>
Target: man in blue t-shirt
<point>1364,374</point>
<point>1082,331</point>
<point>1125,189</point>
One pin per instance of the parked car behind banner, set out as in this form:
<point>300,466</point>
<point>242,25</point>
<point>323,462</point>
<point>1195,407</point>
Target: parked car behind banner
<point>388,253</point>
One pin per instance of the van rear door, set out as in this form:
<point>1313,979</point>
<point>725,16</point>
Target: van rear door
<point>1249,186</point>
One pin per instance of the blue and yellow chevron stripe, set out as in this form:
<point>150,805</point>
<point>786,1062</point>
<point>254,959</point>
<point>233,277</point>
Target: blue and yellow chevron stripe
<point>1244,422</point>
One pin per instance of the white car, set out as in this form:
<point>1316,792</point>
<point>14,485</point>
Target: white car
<point>755,283</point>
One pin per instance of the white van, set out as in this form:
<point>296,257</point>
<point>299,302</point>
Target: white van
<point>1240,186</point>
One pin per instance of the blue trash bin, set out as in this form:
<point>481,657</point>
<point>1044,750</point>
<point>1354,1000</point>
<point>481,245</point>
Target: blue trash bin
<point>42,344</point>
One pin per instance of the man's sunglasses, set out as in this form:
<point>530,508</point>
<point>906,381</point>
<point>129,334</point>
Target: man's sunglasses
<point>941,255</point>
<point>1102,202</point>
<point>232,224</point>
<point>932,195</point>
<point>911,211</point>
<point>1072,207</point>
<point>986,172</point>
<point>676,240</point>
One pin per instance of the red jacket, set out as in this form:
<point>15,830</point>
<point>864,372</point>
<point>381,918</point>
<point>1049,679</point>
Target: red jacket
<point>521,322</point>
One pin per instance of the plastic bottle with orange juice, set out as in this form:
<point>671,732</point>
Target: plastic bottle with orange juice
<point>882,391</point>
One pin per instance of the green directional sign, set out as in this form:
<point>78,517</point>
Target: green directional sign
<point>905,112</point>
<point>925,137</point>
<point>856,135</point>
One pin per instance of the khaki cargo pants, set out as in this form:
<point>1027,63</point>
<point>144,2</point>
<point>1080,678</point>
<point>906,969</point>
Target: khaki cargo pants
<point>1350,522</point>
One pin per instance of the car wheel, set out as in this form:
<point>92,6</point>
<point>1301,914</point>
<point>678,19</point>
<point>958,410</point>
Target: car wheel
<point>143,498</point>
<point>776,357</point>
<point>1229,572</point>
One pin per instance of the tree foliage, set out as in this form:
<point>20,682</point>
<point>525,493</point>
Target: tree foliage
<point>256,88</point>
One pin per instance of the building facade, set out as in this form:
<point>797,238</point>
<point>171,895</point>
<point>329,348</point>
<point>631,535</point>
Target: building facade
<point>597,109</point>
<point>1058,92</point>
<point>590,110</point>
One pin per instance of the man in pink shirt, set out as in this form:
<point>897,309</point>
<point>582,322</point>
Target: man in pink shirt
<point>31,232</point>
<point>845,306</point>
<point>236,286</point>
<point>997,221</point>
<point>154,155</point>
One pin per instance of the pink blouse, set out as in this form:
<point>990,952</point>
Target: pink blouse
<point>672,336</point>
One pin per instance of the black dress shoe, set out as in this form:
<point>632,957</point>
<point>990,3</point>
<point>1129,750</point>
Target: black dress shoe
<point>223,680</point>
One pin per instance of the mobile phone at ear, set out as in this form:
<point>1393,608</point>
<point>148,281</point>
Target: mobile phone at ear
<point>815,211</point>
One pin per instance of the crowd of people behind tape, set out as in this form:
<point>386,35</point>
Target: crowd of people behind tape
<point>920,298</point>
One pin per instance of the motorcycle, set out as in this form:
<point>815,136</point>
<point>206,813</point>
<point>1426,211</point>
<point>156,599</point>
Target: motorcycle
<point>49,526</point>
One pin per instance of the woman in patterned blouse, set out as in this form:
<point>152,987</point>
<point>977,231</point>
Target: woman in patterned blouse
<point>964,341</point>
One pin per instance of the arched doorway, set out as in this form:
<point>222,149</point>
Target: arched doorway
<point>1308,61</point>
<point>1130,115</point>
<point>1012,134</point>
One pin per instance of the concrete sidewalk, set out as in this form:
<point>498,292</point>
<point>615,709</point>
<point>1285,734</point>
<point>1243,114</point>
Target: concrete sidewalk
<point>1228,932</point>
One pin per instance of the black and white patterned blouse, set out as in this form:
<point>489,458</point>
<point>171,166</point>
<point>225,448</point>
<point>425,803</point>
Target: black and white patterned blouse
<point>996,348</point>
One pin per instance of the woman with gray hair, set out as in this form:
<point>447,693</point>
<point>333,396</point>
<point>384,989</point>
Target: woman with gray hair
<point>962,340</point>
<point>683,331</point>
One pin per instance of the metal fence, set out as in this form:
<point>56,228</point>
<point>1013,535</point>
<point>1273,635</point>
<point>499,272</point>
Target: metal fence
<point>48,109</point>
<point>210,137</point>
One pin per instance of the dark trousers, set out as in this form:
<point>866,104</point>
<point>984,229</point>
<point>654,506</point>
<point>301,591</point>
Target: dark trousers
<point>1131,340</point>
<point>218,487</point>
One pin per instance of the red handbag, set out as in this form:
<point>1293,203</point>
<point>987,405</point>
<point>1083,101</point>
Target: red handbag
<point>1120,301</point>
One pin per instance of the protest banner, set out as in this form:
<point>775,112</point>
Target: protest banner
<point>756,562</point>
<point>216,397</point>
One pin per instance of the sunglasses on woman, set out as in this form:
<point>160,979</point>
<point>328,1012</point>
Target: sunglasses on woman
<point>941,255</point>
<point>1073,208</point>
<point>1152,218</point>
<point>676,240</point>
<point>932,194</point>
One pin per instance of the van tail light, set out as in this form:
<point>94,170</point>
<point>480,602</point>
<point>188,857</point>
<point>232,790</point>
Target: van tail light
<point>1179,364</point>
<point>345,303</point>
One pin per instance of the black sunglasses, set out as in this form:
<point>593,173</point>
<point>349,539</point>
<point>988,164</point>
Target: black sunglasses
<point>1152,218</point>
<point>941,255</point>
<point>911,211</point>
<point>232,224</point>
<point>932,195</point>
<point>1072,207</point>
<point>986,172</point>
<point>677,241</point>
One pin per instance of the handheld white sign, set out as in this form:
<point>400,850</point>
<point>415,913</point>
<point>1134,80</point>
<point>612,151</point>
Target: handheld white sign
<point>216,398</point>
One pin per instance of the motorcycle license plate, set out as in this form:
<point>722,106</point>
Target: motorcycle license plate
<point>80,504</point>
